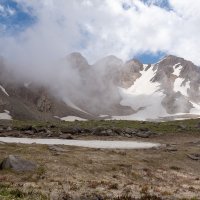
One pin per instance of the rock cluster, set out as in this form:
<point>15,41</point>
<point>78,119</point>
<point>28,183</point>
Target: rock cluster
<point>72,132</point>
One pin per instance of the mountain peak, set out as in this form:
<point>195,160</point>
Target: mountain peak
<point>76,60</point>
<point>109,60</point>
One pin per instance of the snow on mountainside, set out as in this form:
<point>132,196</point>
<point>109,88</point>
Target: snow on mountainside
<point>144,96</point>
<point>164,90</point>
<point>108,89</point>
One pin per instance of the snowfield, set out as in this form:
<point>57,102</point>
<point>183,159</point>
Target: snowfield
<point>143,96</point>
<point>84,143</point>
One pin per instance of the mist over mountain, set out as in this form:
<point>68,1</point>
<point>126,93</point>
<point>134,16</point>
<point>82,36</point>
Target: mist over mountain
<point>107,89</point>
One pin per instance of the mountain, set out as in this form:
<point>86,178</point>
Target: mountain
<point>108,89</point>
<point>168,89</point>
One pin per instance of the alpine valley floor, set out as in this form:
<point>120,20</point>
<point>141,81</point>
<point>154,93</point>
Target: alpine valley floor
<point>170,171</point>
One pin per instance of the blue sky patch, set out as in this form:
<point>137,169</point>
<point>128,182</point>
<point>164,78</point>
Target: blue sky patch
<point>14,18</point>
<point>160,3</point>
<point>150,58</point>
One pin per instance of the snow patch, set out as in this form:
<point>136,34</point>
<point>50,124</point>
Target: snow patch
<point>143,85</point>
<point>196,109</point>
<point>3,90</point>
<point>177,70</point>
<point>72,105</point>
<point>144,97</point>
<point>6,115</point>
<point>179,87</point>
<point>72,118</point>
<point>103,115</point>
<point>84,143</point>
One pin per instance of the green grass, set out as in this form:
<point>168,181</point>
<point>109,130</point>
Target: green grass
<point>158,127</point>
<point>9,193</point>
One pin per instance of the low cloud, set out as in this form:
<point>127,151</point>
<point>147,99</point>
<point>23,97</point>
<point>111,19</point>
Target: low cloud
<point>98,28</point>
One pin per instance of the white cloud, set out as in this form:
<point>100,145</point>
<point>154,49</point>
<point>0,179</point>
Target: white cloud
<point>101,27</point>
<point>1,8</point>
<point>10,11</point>
<point>6,11</point>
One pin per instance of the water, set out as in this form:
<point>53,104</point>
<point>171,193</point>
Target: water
<point>83,143</point>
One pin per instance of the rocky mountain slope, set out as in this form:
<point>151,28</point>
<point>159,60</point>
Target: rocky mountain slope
<point>108,89</point>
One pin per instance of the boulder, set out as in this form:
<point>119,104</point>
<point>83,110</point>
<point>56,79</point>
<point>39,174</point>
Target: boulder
<point>106,132</point>
<point>17,163</point>
<point>130,131</point>
<point>9,128</point>
<point>56,148</point>
<point>170,148</point>
<point>117,131</point>
<point>28,132</point>
<point>70,130</point>
<point>26,128</point>
<point>143,134</point>
<point>66,136</point>
<point>98,131</point>
<point>144,129</point>
<point>194,156</point>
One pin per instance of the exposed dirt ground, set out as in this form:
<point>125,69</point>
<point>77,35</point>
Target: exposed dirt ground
<point>66,172</point>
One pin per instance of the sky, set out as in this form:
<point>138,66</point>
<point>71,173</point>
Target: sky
<point>144,29</point>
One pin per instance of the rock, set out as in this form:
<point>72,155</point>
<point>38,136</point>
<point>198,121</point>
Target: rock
<point>196,143</point>
<point>52,126</point>
<point>97,131</point>
<point>110,132</point>
<point>29,132</point>
<point>56,148</point>
<point>182,126</point>
<point>128,135</point>
<point>130,131</point>
<point>77,130</point>
<point>86,130</point>
<point>122,134</point>
<point>40,130</point>
<point>143,134</point>
<point>17,163</point>
<point>118,131</point>
<point>69,130</point>
<point>9,128</point>
<point>49,133</point>
<point>171,148</point>
<point>194,156</point>
<point>143,129</point>
<point>26,128</point>
<point>66,136</point>
<point>107,132</point>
